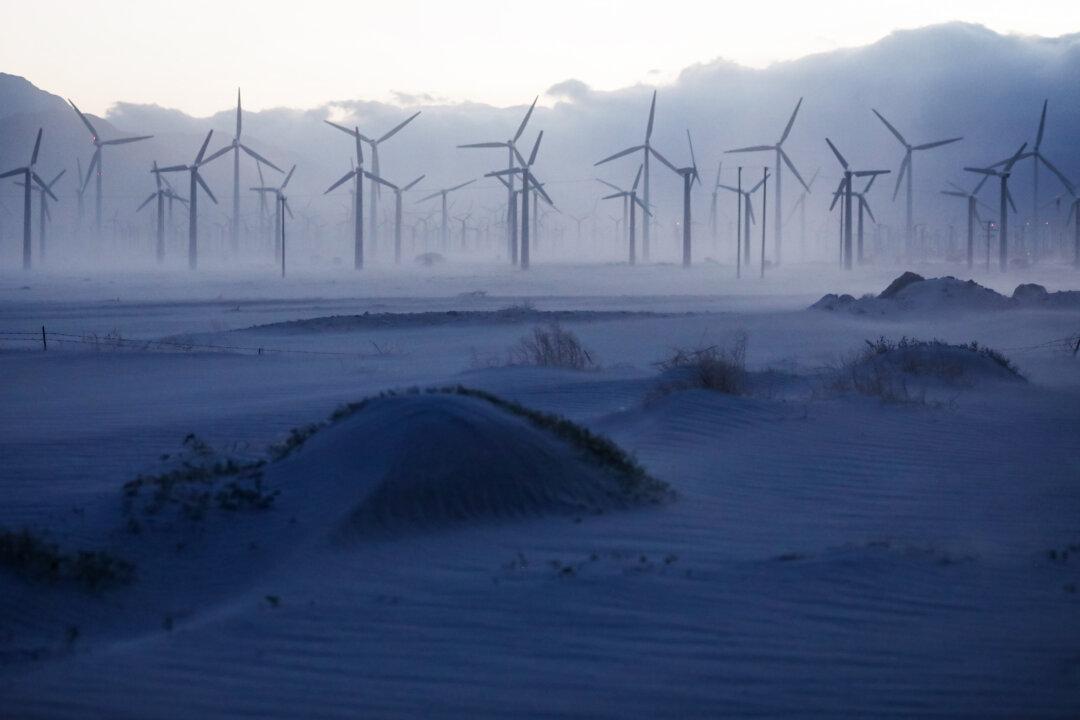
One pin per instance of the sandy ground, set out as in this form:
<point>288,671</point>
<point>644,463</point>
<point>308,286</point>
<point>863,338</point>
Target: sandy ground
<point>828,554</point>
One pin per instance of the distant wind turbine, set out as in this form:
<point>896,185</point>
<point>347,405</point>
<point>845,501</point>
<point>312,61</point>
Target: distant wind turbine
<point>236,147</point>
<point>511,206</point>
<point>1006,200</point>
<point>444,230</point>
<point>281,206</point>
<point>632,199</point>
<point>195,182</point>
<point>44,216</point>
<point>398,192</point>
<point>529,183</point>
<point>689,175</point>
<point>96,163</point>
<point>30,177</point>
<point>356,174</point>
<point>972,213</point>
<point>907,170</point>
<point>646,149</point>
<point>864,208</point>
<point>847,192</point>
<point>781,159</point>
<point>375,169</point>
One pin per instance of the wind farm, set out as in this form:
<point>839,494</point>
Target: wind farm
<point>476,362</point>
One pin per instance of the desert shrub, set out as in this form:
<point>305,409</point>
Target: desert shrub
<point>192,485</point>
<point>713,368</point>
<point>34,558</point>
<point>883,367</point>
<point>550,345</point>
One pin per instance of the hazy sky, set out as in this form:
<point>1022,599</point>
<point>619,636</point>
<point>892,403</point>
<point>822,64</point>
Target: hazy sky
<point>192,54</point>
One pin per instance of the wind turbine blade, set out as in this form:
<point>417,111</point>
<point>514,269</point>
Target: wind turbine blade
<point>13,173</point>
<point>215,155</point>
<point>341,128</point>
<point>894,131</point>
<point>900,176</point>
<point>983,171</point>
<point>288,177</point>
<point>173,168</point>
<point>613,196</point>
<point>752,148</point>
<point>866,206</point>
<point>259,157</point>
<point>125,141</point>
<point>536,148</point>
<point>486,145</point>
<point>458,187</point>
<point>870,184</point>
<point>44,187</point>
<point>410,185</point>
<point>86,120</point>
<point>238,113</point>
<point>1015,158</point>
<point>644,208</point>
<point>870,173</point>
<point>750,212</point>
<point>956,187</point>
<point>619,154</point>
<point>662,159</point>
<point>433,195</point>
<point>37,148</point>
<point>690,142</point>
<point>791,167</point>
<point>787,130</point>
<point>285,202</point>
<point>539,187</point>
<point>836,152</point>
<point>58,176</point>
<point>344,179</point>
<point>939,143</point>
<point>505,171</point>
<point>1064,180</point>
<point>979,186</point>
<point>652,117</point>
<point>838,194</point>
<point>525,120</point>
<point>954,193</point>
<point>146,201</point>
<point>398,127</point>
<point>375,178</point>
<point>637,178</point>
<point>202,183</point>
<point>754,189</point>
<point>732,189</point>
<point>610,185</point>
<point>202,150</point>
<point>1042,127</point>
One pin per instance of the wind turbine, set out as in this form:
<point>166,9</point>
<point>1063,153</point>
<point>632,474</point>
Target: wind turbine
<point>1074,215</point>
<point>907,170</point>
<point>631,198</point>
<point>356,173</point>
<point>511,207</point>
<point>529,184</point>
<point>398,192</point>
<point>972,213</point>
<point>161,193</point>
<point>800,205</point>
<point>781,159</point>
<point>281,206</point>
<point>689,175</point>
<point>44,216</point>
<point>1006,198</point>
<point>236,147</point>
<point>864,207</point>
<point>847,191</point>
<point>748,219</point>
<point>29,177</point>
<point>646,149</point>
<point>80,191</point>
<point>195,182</point>
<point>96,162</point>
<point>713,206</point>
<point>444,229</point>
<point>374,143</point>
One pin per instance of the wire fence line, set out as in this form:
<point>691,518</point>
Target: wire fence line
<point>43,339</point>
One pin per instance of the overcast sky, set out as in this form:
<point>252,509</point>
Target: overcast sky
<point>192,54</point>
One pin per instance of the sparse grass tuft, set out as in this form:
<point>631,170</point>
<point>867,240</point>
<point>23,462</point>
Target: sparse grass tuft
<point>34,558</point>
<point>713,368</point>
<point>551,346</point>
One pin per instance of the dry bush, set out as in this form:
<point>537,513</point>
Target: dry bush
<point>551,346</point>
<point>713,368</point>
